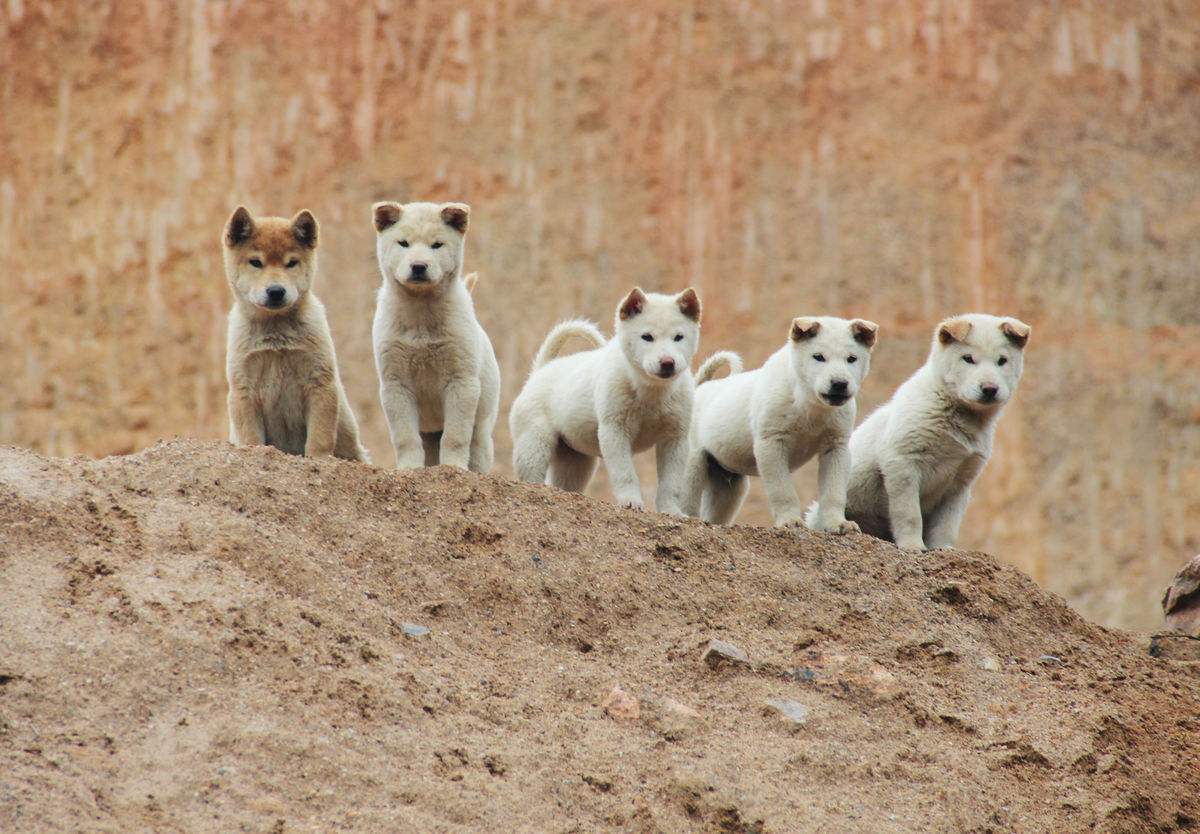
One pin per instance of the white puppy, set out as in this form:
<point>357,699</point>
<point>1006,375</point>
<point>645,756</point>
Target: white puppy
<point>772,420</point>
<point>438,377</point>
<point>914,459</point>
<point>619,398</point>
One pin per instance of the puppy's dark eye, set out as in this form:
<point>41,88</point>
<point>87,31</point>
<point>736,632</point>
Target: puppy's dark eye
<point>293,263</point>
<point>646,337</point>
<point>679,337</point>
<point>403,243</point>
<point>437,244</point>
<point>256,263</point>
<point>820,357</point>
<point>1003,360</point>
<point>851,359</point>
<point>969,359</point>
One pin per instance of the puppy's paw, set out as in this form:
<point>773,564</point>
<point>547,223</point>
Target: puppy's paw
<point>914,545</point>
<point>631,503</point>
<point>790,522</point>
<point>841,528</point>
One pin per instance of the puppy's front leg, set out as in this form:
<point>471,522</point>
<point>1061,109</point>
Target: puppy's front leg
<point>617,451</point>
<point>833,477</point>
<point>902,483</point>
<point>403,419</point>
<point>947,518</point>
<point>245,420</point>
<point>671,458</point>
<point>459,405</point>
<point>321,420</point>
<point>771,457</point>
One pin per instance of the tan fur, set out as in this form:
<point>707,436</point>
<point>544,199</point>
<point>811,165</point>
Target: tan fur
<point>953,330</point>
<point>805,328</point>
<point>865,332</point>
<point>1017,331</point>
<point>284,386</point>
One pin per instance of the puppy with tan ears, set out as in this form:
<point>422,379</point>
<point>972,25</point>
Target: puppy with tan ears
<point>915,458</point>
<point>772,420</point>
<point>619,398</point>
<point>438,377</point>
<point>284,387</point>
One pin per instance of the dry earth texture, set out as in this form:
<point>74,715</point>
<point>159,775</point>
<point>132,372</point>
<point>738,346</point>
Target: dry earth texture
<point>200,638</point>
<point>898,160</point>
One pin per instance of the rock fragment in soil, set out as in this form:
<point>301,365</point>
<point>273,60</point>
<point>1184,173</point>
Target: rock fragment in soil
<point>719,653</point>
<point>621,706</point>
<point>792,712</point>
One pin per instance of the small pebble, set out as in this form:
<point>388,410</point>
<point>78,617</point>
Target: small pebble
<point>413,630</point>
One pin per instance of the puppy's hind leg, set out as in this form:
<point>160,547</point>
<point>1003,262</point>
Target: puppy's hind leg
<point>724,492</point>
<point>533,444</point>
<point>694,480</point>
<point>569,469</point>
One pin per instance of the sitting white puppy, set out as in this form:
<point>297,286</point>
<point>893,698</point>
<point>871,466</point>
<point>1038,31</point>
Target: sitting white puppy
<point>772,420</point>
<point>914,459</point>
<point>438,377</point>
<point>619,398</point>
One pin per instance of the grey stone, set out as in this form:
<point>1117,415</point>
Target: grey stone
<point>413,630</point>
<point>790,711</point>
<point>718,652</point>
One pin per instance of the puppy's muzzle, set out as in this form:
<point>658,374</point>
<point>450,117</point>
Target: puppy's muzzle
<point>666,368</point>
<point>838,393</point>
<point>419,272</point>
<point>988,393</point>
<point>276,295</point>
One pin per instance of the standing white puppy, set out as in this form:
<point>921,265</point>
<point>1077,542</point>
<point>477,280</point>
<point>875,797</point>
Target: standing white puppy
<point>772,420</point>
<point>619,398</point>
<point>438,377</point>
<point>915,459</point>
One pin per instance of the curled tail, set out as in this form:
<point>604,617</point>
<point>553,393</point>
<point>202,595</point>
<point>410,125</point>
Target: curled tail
<point>558,336</point>
<point>714,363</point>
<point>469,281</point>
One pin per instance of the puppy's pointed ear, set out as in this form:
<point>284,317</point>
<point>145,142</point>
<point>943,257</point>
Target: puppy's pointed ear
<point>804,328</point>
<point>456,215</point>
<point>953,330</point>
<point>386,215</point>
<point>239,227</point>
<point>689,303</point>
<point>470,280</point>
<point>864,332</point>
<point>1017,332</point>
<point>633,304</point>
<point>304,229</point>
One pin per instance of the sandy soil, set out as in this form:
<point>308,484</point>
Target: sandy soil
<point>202,638</point>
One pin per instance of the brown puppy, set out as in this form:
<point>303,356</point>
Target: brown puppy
<point>284,387</point>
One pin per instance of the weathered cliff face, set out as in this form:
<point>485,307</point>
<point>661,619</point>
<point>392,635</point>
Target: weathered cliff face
<point>895,160</point>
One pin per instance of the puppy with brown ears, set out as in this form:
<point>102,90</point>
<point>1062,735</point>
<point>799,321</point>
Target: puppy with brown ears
<point>284,386</point>
<point>619,398</point>
<point>438,377</point>
<point>773,420</point>
<point>915,458</point>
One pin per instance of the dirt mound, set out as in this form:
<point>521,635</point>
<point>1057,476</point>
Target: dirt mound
<point>202,638</point>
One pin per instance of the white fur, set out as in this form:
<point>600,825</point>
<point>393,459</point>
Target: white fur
<point>772,420</point>
<point>612,402</point>
<point>438,378</point>
<point>721,359</point>
<point>915,458</point>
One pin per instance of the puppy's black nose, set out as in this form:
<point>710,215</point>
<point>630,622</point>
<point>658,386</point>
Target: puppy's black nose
<point>418,270</point>
<point>275,295</point>
<point>839,386</point>
<point>988,392</point>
